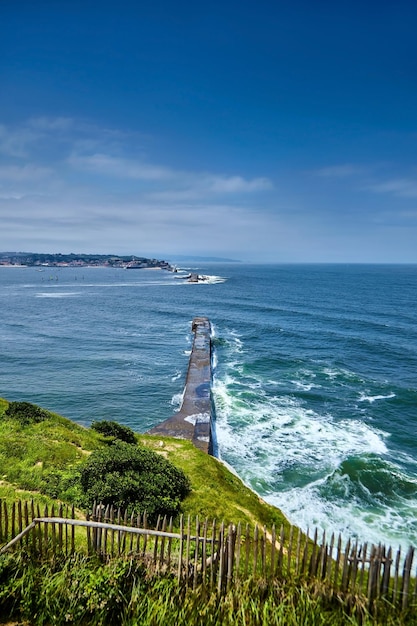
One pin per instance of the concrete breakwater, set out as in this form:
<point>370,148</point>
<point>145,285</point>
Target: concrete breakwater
<point>194,420</point>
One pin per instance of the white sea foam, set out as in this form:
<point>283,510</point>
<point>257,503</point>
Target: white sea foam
<point>283,433</point>
<point>59,294</point>
<point>176,376</point>
<point>215,280</point>
<point>365,398</point>
<point>330,373</point>
<point>204,280</point>
<point>304,386</point>
<point>235,344</point>
<point>201,417</point>
<point>305,507</point>
<point>288,452</point>
<point>177,399</point>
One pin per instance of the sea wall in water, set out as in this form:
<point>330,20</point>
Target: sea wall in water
<point>194,419</point>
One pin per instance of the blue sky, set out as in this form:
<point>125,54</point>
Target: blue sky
<point>267,132</point>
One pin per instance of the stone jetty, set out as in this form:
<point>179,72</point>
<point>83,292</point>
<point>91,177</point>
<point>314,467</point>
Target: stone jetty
<point>194,419</point>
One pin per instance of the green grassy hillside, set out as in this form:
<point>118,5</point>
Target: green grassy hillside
<point>39,460</point>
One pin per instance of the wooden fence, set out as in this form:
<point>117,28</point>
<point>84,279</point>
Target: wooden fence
<point>212,553</point>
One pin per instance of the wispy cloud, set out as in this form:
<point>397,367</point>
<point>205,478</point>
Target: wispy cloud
<point>17,142</point>
<point>19,173</point>
<point>339,171</point>
<point>72,184</point>
<point>57,174</point>
<point>401,187</point>
<point>237,184</point>
<point>117,167</point>
<point>191,183</point>
<point>48,124</point>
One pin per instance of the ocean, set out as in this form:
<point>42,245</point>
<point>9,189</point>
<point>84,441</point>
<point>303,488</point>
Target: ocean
<point>315,374</point>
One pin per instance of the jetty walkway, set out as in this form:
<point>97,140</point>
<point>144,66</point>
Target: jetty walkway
<point>194,419</point>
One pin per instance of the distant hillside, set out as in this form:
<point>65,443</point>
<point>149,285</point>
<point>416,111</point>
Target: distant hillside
<point>35,259</point>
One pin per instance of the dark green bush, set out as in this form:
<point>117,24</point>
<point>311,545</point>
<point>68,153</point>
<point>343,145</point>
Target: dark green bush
<point>25,413</point>
<point>113,429</point>
<point>134,477</point>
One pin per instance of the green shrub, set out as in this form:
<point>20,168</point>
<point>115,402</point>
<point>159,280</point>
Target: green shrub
<point>134,477</point>
<point>25,413</point>
<point>115,430</point>
<point>63,485</point>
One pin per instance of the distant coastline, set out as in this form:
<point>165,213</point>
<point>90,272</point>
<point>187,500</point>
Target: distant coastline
<point>40,260</point>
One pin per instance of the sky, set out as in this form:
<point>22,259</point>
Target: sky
<point>270,131</point>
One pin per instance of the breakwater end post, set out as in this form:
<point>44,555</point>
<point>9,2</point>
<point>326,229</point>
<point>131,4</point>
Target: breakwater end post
<point>194,420</point>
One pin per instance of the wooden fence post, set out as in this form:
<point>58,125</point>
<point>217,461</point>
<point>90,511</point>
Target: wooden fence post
<point>289,550</point>
<point>255,549</point>
<point>145,539</point>
<point>26,520</point>
<point>170,543</point>
<point>297,552</point>
<point>305,553</point>
<point>353,572</point>
<point>386,573</point>
<point>19,516</point>
<point>273,548</point>
<point>214,556</point>
<point>181,548</point>
<point>329,559</point>
<point>39,533</point>
<point>372,578</point>
<point>247,550</point>
<point>345,568</point>
<point>195,568</point>
<point>6,522</point>
<point>187,548</point>
<point>46,531</point>
<point>281,550</point>
<point>263,551</point>
<point>221,561</point>
<point>72,531</point>
<point>204,553</point>
<point>138,525</point>
<point>322,560</point>
<point>13,519</point>
<point>408,563</point>
<point>230,554</point>
<point>337,565</point>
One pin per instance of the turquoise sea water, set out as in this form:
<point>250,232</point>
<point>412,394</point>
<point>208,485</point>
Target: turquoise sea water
<point>315,381</point>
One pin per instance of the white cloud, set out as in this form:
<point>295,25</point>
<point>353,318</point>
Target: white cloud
<point>133,225</point>
<point>120,167</point>
<point>339,171</point>
<point>402,187</point>
<point>191,184</point>
<point>16,142</point>
<point>237,184</point>
<point>48,124</point>
<point>19,173</point>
